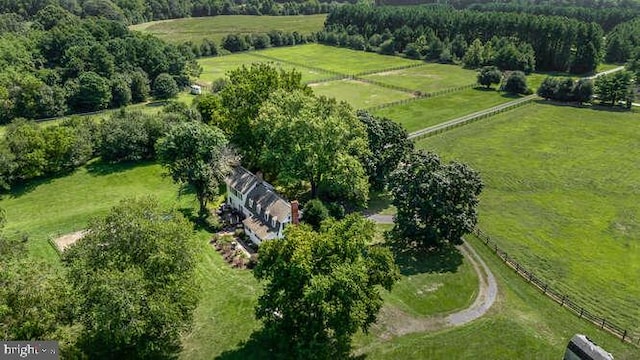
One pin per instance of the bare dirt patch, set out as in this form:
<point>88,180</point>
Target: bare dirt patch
<point>67,240</point>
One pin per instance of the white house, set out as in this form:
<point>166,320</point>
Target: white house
<point>266,213</point>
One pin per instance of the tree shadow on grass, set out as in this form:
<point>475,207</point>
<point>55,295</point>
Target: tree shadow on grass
<point>261,347</point>
<point>412,260</point>
<point>378,201</point>
<point>21,189</point>
<point>101,168</point>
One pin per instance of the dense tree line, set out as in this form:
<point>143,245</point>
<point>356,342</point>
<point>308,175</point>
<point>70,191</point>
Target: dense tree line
<point>566,89</point>
<point>559,43</point>
<point>30,151</point>
<point>137,11</point>
<point>62,64</point>
<point>607,17</point>
<point>590,4</point>
<point>623,41</point>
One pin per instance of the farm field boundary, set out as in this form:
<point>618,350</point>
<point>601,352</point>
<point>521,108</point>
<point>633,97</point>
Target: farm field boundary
<point>563,299</point>
<point>436,129</point>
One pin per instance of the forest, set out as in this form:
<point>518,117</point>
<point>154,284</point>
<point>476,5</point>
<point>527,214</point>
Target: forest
<point>59,63</point>
<point>567,44</point>
<point>138,11</point>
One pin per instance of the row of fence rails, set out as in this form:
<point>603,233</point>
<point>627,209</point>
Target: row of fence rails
<point>420,96</point>
<point>293,63</point>
<point>563,299</point>
<point>439,128</point>
<point>395,68</point>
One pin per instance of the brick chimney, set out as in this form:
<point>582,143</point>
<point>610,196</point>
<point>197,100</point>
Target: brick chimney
<point>259,176</point>
<point>295,212</point>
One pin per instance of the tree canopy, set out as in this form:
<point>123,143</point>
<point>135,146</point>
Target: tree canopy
<point>134,275</point>
<point>316,140</point>
<point>235,108</point>
<point>321,287</point>
<point>436,202</point>
<point>196,154</point>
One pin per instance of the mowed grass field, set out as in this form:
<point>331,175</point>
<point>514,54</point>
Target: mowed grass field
<point>216,27</point>
<point>427,78</point>
<point>435,283</point>
<point>427,112</point>
<point>360,95</point>
<point>217,67</point>
<point>339,60</point>
<point>561,197</point>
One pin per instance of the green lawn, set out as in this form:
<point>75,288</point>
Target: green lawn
<point>340,60</point>
<point>427,78</point>
<point>52,207</point>
<point>216,27</point>
<point>561,197</point>
<point>427,112</point>
<point>522,324</point>
<point>217,67</point>
<point>360,95</point>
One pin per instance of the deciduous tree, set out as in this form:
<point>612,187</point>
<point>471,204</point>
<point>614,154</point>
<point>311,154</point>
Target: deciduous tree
<point>488,75</point>
<point>315,140</point>
<point>321,287</point>
<point>134,275</point>
<point>436,202</point>
<point>196,154</point>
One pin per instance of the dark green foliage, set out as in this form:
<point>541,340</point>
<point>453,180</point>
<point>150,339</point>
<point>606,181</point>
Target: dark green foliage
<point>129,136</point>
<point>516,83</point>
<point>488,75</point>
<point>235,43</point>
<point>134,276</point>
<point>551,40</point>
<point>614,87</point>
<point>35,300</point>
<point>140,88</point>
<point>436,202</point>
<point>321,288</point>
<point>196,154</point>
<point>315,141</point>
<point>388,145</point>
<point>235,108</point>
<point>120,91</point>
<point>315,213</point>
<point>622,41</point>
<point>91,92</point>
<point>387,47</point>
<point>583,90</point>
<point>165,87</point>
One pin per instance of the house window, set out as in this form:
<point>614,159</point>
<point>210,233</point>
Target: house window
<point>266,216</point>
<point>273,221</point>
<point>258,208</point>
<point>250,202</point>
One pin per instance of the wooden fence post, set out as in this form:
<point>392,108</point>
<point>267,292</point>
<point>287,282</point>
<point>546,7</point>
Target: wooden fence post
<point>581,312</point>
<point>624,335</point>
<point>602,326</point>
<point>563,298</point>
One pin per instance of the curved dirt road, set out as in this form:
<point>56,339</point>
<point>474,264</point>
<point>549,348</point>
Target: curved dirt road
<point>396,322</point>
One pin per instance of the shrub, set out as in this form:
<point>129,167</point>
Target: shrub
<point>314,213</point>
<point>165,87</point>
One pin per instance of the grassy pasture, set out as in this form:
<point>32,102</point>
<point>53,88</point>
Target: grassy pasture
<point>359,94</point>
<point>58,206</point>
<point>216,27</point>
<point>561,197</point>
<point>217,67</point>
<point>426,112</point>
<point>522,324</point>
<point>427,78</point>
<point>340,60</point>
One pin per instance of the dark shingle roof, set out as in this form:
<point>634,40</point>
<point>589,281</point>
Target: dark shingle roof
<point>241,179</point>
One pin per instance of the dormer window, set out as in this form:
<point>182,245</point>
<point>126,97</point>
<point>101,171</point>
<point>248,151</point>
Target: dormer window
<point>250,203</point>
<point>258,208</point>
<point>266,216</point>
<point>273,221</point>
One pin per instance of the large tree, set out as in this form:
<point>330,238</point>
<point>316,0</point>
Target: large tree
<point>321,287</point>
<point>614,87</point>
<point>315,140</point>
<point>236,108</point>
<point>436,202</point>
<point>388,145</point>
<point>196,154</point>
<point>134,275</point>
<point>488,75</point>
